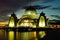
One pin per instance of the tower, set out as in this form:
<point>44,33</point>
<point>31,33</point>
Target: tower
<point>42,20</point>
<point>13,20</point>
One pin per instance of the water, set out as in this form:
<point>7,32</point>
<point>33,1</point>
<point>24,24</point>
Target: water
<point>35,35</point>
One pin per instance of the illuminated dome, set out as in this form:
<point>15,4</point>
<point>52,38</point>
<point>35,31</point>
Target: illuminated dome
<point>26,22</point>
<point>31,12</point>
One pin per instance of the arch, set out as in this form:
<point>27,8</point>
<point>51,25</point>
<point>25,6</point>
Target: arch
<point>42,21</point>
<point>11,22</point>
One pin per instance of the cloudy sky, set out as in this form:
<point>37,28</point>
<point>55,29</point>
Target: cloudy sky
<point>50,7</point>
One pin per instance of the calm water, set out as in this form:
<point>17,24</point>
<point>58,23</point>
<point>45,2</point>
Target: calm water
<point>35,35</point>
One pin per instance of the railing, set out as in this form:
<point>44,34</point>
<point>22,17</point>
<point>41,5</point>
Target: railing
<point>28,29</point>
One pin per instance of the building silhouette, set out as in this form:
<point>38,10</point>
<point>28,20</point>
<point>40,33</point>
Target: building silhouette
<point>42,20</point>
<point>13,20</point>
<point>29,19</point>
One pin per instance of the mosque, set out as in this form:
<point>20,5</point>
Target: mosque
<point>29,19</point>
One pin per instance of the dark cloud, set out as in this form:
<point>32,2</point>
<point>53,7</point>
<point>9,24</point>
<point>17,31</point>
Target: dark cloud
<point>47,1</point>
<point>9,6</point>
<point>14,4</point>
<point>56,16</point>
<point>37,7</point>
<point>55,8</point>
<point>4,18</point>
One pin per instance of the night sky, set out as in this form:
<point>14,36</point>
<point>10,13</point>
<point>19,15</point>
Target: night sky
<point>7,7</point>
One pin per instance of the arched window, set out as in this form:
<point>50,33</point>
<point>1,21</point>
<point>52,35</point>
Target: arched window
<point>11,22</point>
<point>42,21</point>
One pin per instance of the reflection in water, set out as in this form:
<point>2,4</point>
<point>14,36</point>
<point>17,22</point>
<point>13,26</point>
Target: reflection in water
<point>11,35</point>
<point>2,37</point>
<point>42,34</point>
<point>15,35</point>
<point>36,35</point>
<point>27,35</point>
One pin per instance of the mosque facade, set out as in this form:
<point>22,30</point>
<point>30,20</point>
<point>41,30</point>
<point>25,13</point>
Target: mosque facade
<point>29,19</point>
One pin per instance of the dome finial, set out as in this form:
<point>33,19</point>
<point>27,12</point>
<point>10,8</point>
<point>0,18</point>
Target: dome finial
<point>42,13</point>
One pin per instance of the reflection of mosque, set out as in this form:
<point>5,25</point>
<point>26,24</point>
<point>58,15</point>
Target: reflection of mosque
<point>29,19</point>
<point>15,35</point>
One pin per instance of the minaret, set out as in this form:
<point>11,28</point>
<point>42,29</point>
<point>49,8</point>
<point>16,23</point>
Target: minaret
<point>42,20</point>
<point>13,20</point>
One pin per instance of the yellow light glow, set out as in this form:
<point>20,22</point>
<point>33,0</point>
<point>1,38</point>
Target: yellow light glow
<point>42,34</point>
<point>29,12</point>
<point>18,25</point>
<point>42,22</point>
<point>6,22</point>
<point>11,35</point>
<point>34,34</point>
<point>27,23</point>
<point>3,24</point>
<point>34,26</point>
<point>11,23</point>
<point>26,20</point>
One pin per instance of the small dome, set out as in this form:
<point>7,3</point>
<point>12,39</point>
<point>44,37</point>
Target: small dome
<point>30,11</point>
<point>30,8</point>
<point>13,14</point>
<point>42,14</point>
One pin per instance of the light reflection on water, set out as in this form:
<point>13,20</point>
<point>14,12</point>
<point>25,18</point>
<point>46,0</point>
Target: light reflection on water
<point>27,35</point>
<point>10,35</point>
<point>15,35</point>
